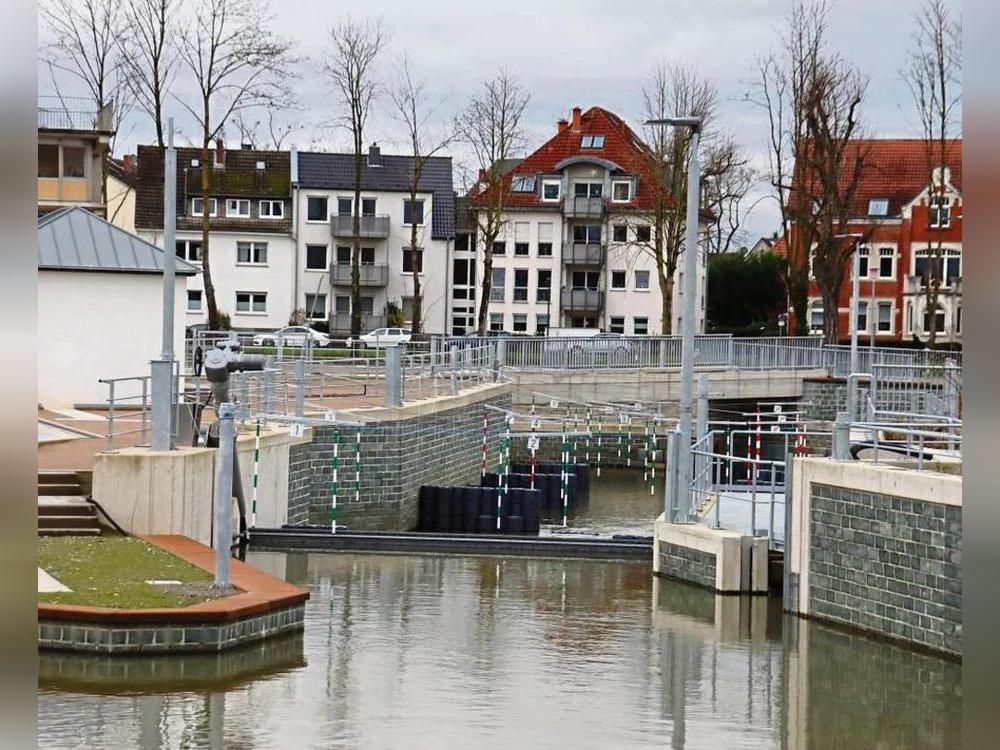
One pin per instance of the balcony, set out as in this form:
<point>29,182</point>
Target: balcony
<point>371,227</point>
<point>584,254</point>
<point>340,323</point>
<point>583,207</point>
<point>371,276</point>
<point>582,300</point>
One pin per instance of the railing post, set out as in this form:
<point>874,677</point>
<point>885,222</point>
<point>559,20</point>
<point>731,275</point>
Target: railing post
<point>111,417</point>
<point>224,493</point>
<point>702,425</point>
<point>268,387</point>
<point>162,396</point>
<point>501,356</point>
<point>393,376</point>
<point>670,477</point>
<point>300,387</point>
<point>841,448</point>
<point>951,387</point>
<point>454,368</point>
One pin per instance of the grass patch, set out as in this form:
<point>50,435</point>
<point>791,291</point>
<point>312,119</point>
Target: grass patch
<point>112,570</point>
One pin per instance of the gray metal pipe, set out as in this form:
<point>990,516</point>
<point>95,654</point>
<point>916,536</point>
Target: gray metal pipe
<point>223,493</point>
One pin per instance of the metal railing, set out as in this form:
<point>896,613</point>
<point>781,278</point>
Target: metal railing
<point>584,254</point>
<point>583,206</point>
<point>583,299</point>
<point>71,113</point>
<point>370,275</point>
<point>369,226</point>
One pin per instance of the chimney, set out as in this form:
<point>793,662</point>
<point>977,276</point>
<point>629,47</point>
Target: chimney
<point>576,118</point>
<point>129,163</point>
<point>220,153</point>
<point>246,146</point>
<point>293,160</point>
<point>374,156</point>
<point>561,124</point>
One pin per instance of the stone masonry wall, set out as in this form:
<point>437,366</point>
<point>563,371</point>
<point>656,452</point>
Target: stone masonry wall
<point>299,483</point>
<point>887,564</point>
<point>688,564</point>
<point>824,397</point>
<point>443,448</point>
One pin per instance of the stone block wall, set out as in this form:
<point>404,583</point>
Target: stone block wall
<point>824,397</point>
<point>887,564</point>
<point>299,483</point>
<point>694,566</point>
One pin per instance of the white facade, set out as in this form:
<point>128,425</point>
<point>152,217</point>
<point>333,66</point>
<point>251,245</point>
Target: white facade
<point>94,325</point>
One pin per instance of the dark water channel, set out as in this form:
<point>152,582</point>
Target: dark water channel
<point>406,651</point>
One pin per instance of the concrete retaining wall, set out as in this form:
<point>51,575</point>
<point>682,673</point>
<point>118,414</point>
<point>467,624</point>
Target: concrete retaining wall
<point>720,560</point>
<point>878,549</point>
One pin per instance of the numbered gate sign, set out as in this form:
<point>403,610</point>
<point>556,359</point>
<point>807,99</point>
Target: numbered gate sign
<point>330,415</point>
<point>533,443</point>
<point>298,429</point>
<point>536,424</point>
<point>775,428</point>
<point>553,404</point>
<point>624,419</point>
<point>777,408</point>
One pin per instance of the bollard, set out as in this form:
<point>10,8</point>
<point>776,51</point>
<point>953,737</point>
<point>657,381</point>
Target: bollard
<point>224,493</point>
<point>162,385</point>
<point>393,376</point>
<point>670,480</point>
<point>841,448</point>
<point>454,369</point>
<point>501,356</point>
<point>300,387</point>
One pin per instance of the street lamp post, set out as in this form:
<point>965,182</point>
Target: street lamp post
<point>162,369</point>
<point>689,291</point>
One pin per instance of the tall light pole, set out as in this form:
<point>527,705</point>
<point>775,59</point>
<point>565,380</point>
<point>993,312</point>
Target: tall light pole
<point>690,292</point>
<point>855,297</point>
<point>162,369</point>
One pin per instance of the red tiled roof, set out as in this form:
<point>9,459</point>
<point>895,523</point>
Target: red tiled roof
<point>895,169</point>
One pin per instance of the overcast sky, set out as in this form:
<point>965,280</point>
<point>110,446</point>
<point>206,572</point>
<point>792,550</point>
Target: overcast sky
<point>583,53</point>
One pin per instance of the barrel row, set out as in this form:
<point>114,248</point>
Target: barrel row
<point>474,510</point>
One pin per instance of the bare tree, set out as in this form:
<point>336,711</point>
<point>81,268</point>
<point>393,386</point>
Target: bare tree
<point>83,45</point>
<point>354,48</point>
<point>415,113</point>
<point>148,50</point>
<point>812,98</point>
<point>728,199</point>
<point>273,137</point>
<point>491,125</point>
<point>933,75</point>
<point>238,63</point>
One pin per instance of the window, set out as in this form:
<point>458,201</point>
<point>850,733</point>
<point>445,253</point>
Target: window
<point>463,243</point>
<point>544,285</point>
<point>194,300</point>
<point>616,324</point>
<point>522,183</point>
<point>951,263</point>
<point>592,141</point>
<point>642,279</point>
<point>588,189</point>
<point>254,253</point>
<point>197,209</point>
<point>938,321</point>
<point>863,261</point>
<point>544,239</point>
<point>48,160</point>
<point>496,322</point>
<point>640,326</point>
<point>74,159</point>
<point>464,271</point>
<point>411,257</point>
<point>316,209</point>
<point>251,303</point>
<point>587,233</point>
<point>862,316</point>
<point>343,304</point>
<point>621,191</point>
<point>958,319</point>
<point>189,250</point>
<point>586,279</point>
<point>367,305</point>
<point>413,212</point>
<point>500,247</point>
<point>887,262</point>
<point>316,306</point>
<point>541,324</point>
<point>497,289</point>
<point>816,317</point>
<point>316,257</point>
<point>878,207</point>
<point>271,209</point>
<point>520,284</point>
<point>345,206</point>
<point>551,190</point>
<point>520,323</point>
<point>368,256</point>
<point>884,319</point>
<point>237,208</point>
<point>617,279</point>
<point>619,233</point>
<point>521,231</point>
<point>642,233</point>
<point>367,206</point>
<point>940,211</point>
<point>343,256</point>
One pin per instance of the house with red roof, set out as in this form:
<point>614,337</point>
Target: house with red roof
<point>574,250</point>
<point>905,222</point>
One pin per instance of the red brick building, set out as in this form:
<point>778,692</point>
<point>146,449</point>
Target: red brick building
<point>892,202</point>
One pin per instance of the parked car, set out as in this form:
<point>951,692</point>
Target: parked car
<point>382,337</point>
<point>292,336</point>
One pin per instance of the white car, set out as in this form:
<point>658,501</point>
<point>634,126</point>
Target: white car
<point>382,337</point>
<point>292,336</point>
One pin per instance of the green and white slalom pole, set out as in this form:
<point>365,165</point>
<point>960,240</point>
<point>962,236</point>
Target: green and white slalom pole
<point>357,468</point>
<point>589,430</point>
<point>504,469</point>
<point>335,483</point>
<point>564,456</point>
<point>599,441</point>
<point>645,452</point>
<point>256,470</point>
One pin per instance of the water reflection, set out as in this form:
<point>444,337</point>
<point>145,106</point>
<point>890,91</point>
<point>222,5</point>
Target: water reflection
<point>444,651</point>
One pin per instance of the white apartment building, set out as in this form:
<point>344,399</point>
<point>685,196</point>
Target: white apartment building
<point>575,249</point>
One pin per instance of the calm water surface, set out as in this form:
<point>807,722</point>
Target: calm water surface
<point>407,651</point>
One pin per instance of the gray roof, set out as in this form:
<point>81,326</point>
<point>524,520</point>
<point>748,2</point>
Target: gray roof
<point>336,172</point>
<point>74,239</point>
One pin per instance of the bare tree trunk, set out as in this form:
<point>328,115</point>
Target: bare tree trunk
<point>356,242</point>
<point>487,287</point>
<point>417,322</point>
<point>206,266</point>
<point>831,316</point>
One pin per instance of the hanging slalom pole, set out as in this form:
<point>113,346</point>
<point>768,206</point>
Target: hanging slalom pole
<point>599,439</point>
<point>533,449</point>
<point>357,468</point>
<point>505,469</point>
<point>564,472</point>
<point>589,430</point>
<point>485,429</point>
<point>645,452</point>
<point>335,485</point>
<point>256,466</point>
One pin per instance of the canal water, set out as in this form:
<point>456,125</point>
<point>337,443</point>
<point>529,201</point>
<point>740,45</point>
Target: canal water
<point>445,651</point>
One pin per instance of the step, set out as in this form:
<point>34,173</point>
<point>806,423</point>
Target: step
<point>69,532</point>
<point>65,506</point>
<point>68,522</point>
<point>63,490</point>
<point>58,477</point>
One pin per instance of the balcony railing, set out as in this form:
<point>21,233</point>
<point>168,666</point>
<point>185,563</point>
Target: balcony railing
<point>583,206</point>
<point>72,113</point>
<point>584,300</point>
<point>340,323</point>
<point>370,226</point>
<point>377,276</point>
<point>584,254</point>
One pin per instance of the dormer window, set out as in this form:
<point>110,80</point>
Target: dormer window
<point>522,184</point>
<point>592,141</point>
<point>940,211</point>
<point>878,207</point>
<point>551,190</point>
<point>621,191</point>
<point>237,208</point>
<point>197,207</point>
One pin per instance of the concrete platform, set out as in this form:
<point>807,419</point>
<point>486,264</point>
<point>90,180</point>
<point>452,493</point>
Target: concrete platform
<point>726,562</point>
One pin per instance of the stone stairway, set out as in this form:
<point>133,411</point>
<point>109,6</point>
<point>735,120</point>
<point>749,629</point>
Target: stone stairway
<point>63,509</point>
